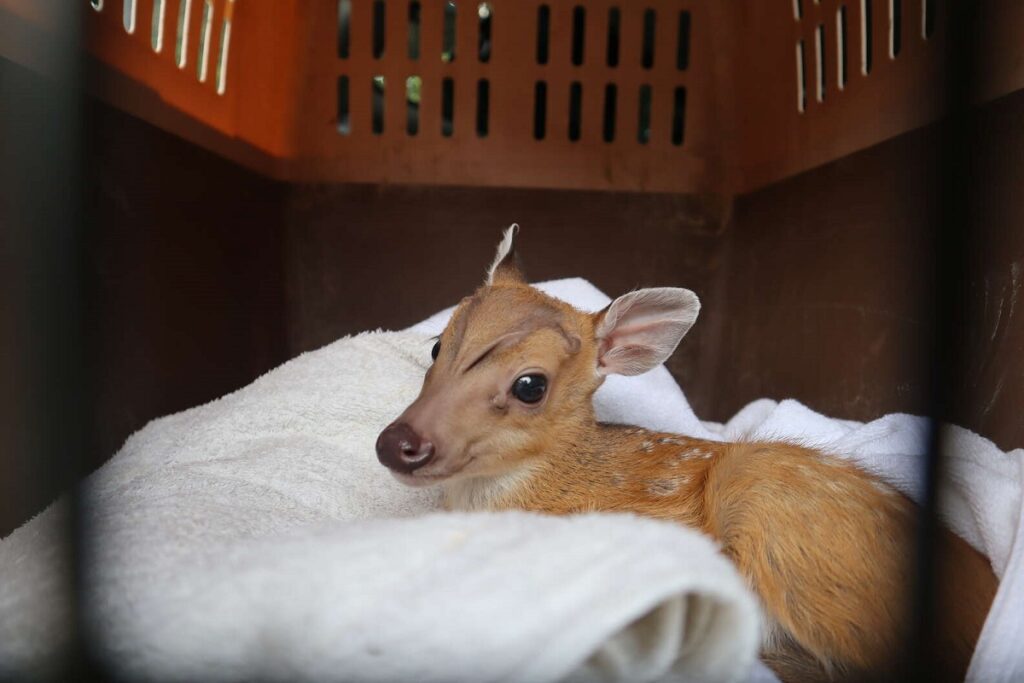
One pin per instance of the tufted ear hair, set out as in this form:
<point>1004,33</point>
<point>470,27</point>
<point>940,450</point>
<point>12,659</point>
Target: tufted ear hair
<point>640,330</point>
<point>505,267</point>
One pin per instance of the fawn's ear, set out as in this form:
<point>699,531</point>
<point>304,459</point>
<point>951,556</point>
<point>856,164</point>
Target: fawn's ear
<point>639,330</point>
<point>505,267</point>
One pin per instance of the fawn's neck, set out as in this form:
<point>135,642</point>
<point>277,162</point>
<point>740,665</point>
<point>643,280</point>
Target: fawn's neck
<point>601,467</point>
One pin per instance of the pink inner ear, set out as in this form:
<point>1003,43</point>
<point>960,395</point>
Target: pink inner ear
<point>628,360</point>
<point>641,329</point>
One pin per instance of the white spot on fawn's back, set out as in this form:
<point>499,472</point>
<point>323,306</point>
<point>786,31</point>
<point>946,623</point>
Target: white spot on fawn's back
<point>663,487</point>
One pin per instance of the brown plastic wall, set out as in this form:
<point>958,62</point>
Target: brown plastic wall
<point>236,230</point>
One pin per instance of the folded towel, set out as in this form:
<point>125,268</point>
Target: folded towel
<point>257,537</point>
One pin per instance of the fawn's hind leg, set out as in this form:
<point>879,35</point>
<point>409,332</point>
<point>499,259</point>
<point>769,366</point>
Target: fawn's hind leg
<point>825,547</point>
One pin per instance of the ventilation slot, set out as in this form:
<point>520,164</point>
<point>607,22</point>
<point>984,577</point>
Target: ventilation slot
<point>614,27</point>
<point>484,41</point>
<point>575,105</point>
<point>801,78</point>
<point>819,61</point>
<point>895,27</point>
<point>205,33</point>
<point>225,47</point>
<point>413,85</point>
<point>379,16</point>
<point>344,124</point>
<point>377,101</point>
<point>610,97</point>
<point>447,107</point>
<point>448,33</point>
<point>96,5</point>
<point>647,51</point>
<point>679,116</point>
<point>181,46</point>
<point>344,27</point>
<point>156,33</point>
<point>540,110</point>
<point>841,47</point>
<point>798,10</point>
<point>927,18</point>
<point>483,106</point>
<point>643,129</point>
<point>543,33</point>
<point>414,31</point>
<point>579,17</point>
<point>128,15</point>
<point>683,42</point>
<point>866,46</point>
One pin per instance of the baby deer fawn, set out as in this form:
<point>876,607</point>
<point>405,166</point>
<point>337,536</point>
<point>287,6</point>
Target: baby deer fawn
<point>505,420</point>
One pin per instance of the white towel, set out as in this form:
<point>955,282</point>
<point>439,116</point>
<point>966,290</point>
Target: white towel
<point>258,537</point>
<point>257,487</point>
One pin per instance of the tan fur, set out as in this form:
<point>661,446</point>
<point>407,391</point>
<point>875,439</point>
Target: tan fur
<point>826,546</point>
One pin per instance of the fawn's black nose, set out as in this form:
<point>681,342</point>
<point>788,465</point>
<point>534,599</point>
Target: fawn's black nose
<point>401,449</point>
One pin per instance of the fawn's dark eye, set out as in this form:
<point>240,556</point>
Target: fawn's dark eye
<point>530,388</point>
<point>436,350</point>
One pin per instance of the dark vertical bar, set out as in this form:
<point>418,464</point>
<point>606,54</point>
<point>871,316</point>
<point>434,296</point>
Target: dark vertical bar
<point>447,107</point>
<point>929,18</point>
<point>801,77</point>
<point>820,62</point>
<point>575,106</point>
<point>614,28</point>
<point>543,33</point>
<point>683,42</point>
<point>414,30</point>
<point>897,26</point>
<point>378,28</point>
<point>412,105</point>
<point>43,265</point>
<point>483,107</point>
<point>610,97</point>
<point>643,127</point>
<point>344,124</point>
<point>647,50</point>
<point>540,110</point>
<point>579,23</point>
<point>678,116</point>
<point>377,101</point>
<point>484,16</point>
<point>867,39</point>
<point>949,318</point>
<point>448,32</point>
<point>344,27</point>
<point>841,46</point>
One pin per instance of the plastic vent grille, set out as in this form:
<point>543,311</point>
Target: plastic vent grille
<point>511,92</point>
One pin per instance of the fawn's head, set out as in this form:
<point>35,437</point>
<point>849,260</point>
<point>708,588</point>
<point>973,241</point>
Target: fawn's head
<point>514,372</point>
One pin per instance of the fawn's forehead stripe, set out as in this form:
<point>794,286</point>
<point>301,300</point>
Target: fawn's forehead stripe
<point>461,321</point>
<point>518,331</point>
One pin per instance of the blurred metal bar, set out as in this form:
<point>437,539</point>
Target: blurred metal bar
<point>43,252</point>
<point>953,244</point>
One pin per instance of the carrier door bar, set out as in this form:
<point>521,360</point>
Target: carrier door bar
<point>948,360</point>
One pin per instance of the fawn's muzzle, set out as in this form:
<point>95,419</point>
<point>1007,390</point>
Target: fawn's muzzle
<point>402,449</point>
